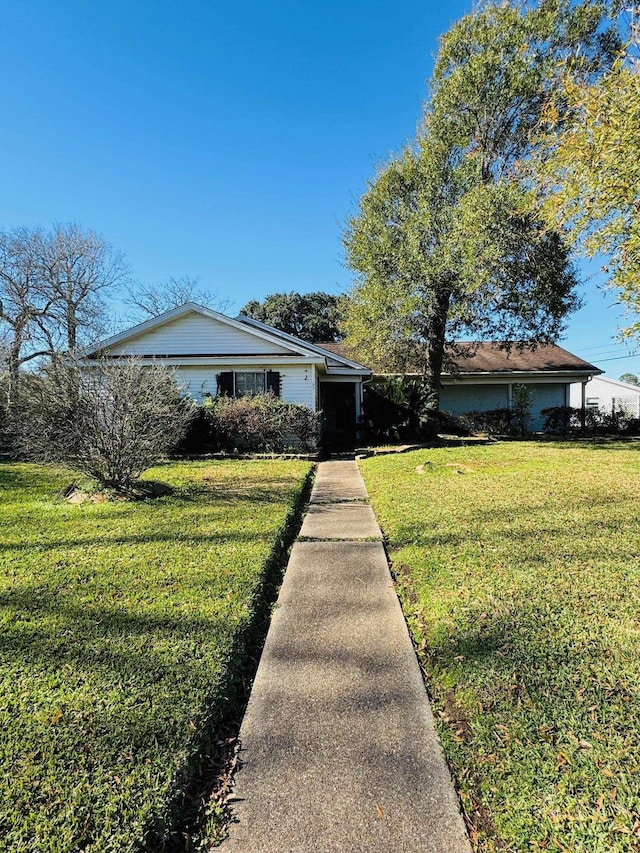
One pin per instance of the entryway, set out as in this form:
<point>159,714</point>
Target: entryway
<point>338,405</point>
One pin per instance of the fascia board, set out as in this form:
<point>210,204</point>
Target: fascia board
<point>519,376</point>
<point>204,361</point>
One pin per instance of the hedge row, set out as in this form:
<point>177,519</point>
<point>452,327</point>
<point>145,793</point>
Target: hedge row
<point>263,423</point>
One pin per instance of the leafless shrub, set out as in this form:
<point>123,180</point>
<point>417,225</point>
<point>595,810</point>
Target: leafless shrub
<point>108,419</point>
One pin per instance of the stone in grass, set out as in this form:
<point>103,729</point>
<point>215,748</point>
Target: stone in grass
<point>142,490</point>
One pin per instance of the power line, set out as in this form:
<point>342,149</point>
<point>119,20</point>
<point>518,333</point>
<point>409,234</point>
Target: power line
<point>604,355</point>
<point>602,346</point>
<point>618,357</point>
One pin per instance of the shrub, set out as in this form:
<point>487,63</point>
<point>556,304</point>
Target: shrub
<point>522,398</point>
<point>4,413</point>
<point>400,409</point>
<point>263,423</point>
<point>110,420</point>
<point>560,420</point>
<point>492,422</point>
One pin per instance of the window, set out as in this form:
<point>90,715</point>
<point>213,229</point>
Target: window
<point>249,383</point>
<point>246,383</point>
<point>592,402</point>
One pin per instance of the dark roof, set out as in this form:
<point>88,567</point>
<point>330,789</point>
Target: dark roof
<point>488,357</point>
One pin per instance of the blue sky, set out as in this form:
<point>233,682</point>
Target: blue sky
<point>228,141</point>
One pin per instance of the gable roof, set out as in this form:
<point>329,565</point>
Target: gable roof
<point>247,325</point>
<point>488,358</point>
<point>175,314</point>
<point>623,386</point>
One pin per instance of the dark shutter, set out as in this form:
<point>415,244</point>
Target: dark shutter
<point>225,384</point>
<point>273,382</point>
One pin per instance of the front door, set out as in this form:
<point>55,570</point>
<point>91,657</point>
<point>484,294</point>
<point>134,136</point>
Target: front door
<point>338,404</point>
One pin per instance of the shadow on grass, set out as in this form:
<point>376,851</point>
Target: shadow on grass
<point>143,539</point>
<point>200,776</point>
<point>145,653</point>
<point>593,442</point>
<point>538,677</point>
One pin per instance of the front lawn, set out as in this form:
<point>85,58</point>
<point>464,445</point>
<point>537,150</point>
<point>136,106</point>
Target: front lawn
<point>121,630</point>
<point>518,567</point>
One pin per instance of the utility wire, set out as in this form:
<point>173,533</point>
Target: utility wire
<point>617,357</point>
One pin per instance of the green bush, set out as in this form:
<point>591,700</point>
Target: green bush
<point>400,409</point>
<point>263,423</point>
<point>522,398</point>
<point>563,420</point>
<point>491,422</point>
<point>560,420</point>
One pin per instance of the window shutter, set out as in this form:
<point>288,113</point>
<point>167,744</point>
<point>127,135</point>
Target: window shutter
<point>225,384</point>
<point>273,382</point>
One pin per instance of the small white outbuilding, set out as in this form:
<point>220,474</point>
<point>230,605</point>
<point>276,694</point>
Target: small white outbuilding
<point>607,395</point>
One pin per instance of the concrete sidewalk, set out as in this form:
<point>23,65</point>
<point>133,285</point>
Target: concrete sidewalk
<point>339,752</point>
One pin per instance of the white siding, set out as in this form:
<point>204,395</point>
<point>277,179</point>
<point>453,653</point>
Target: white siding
<point>193,334</point>
<point>297,381</point>
<point>197,381</point>
<point>608,393</point>
<point>298,385</point>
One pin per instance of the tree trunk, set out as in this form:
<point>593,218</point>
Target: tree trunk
<point>72,326</point>
<point>435,331</point>
<point>13,360</point>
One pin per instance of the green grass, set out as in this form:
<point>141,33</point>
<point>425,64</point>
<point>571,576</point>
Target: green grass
<point>518,567</point>
<point>121,631</point>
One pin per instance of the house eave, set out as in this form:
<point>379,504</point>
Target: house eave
<point>507,376</point>
<point>251,321</point>
<point>203,360</point>
<point>346,371</point>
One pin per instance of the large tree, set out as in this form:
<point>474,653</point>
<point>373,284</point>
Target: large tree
<point>52,288</point>
<point>312,317</point>
<point>23,306</point>
<point>446,242</point>
<point>78,268</point>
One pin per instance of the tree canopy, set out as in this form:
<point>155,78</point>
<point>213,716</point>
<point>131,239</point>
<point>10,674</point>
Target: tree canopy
<point>312,317</point>
<point>588,171</point>
<point>631,378</point>
<point>446,242</point>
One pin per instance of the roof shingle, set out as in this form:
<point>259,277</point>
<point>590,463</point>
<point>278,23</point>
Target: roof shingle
<point>488,357</point>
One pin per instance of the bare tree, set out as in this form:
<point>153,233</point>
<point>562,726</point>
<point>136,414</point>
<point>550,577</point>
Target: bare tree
<point>152,300</point>
<point>77,269</point>
<point>108,419</point>
<point>52,285</point>
<point>24,307</point>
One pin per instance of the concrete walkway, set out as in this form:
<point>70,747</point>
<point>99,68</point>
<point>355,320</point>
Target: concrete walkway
<point>339,753</point>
